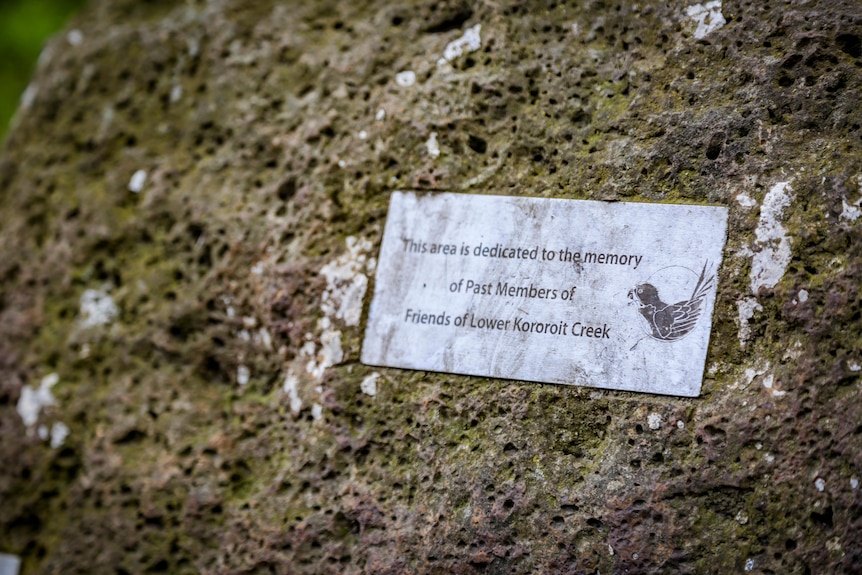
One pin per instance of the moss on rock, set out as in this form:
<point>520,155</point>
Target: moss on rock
<point>270,135</point>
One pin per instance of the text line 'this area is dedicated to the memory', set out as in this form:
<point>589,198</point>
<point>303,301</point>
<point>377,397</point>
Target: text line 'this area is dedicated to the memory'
<point>537,253</point>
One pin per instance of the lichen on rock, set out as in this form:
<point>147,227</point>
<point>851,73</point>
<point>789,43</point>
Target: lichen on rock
<point>192,197</point>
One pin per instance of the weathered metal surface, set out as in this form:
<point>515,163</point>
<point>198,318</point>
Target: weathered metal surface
<point>612,295</point>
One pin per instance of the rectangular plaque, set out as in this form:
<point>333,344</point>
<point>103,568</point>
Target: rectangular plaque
<point>611,295</point>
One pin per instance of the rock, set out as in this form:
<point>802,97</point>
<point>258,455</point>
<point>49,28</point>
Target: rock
<point>200,164</point>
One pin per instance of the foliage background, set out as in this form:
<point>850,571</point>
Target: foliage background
<point>24,27</point>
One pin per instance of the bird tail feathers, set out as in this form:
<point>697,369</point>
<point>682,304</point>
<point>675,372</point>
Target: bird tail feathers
<point>703,284</point>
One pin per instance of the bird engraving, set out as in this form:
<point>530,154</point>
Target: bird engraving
<point>670,322</point>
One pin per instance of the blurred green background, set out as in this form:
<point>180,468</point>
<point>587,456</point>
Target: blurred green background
<point>25,25</point>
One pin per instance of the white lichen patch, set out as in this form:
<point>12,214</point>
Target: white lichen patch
<point>137,181</point>
<point>749,374</point>
<point>243,375</point>
<point>708,17</point>
<point>539,474</point>
<point>746,309</point>
<point>229,310</point>
<point>330,353</point>
<point>369,384</point>
<point>32,401</point>
<point>773,256</point>
<point>380,115</point>
<point>854,483</point>
<point>28,96</point>
<point>346,282</point>
<point>820,484</point>
<point>75,37</point>
<point>745,200</point>
<point>316,411</point>
<point>432,146</point>
<point>406,78</point>
<point>769,385</point>
<point>97,307</point>
<point>470,41</point>
<point>654,421</point>
<point>30,405</point>
<point>749,564</point>
<point>291,389</point>
<point>802,295</point>
<point>854,366</point>
<point>850,212</point>
<point>263,339</point>
<point>59,433</point>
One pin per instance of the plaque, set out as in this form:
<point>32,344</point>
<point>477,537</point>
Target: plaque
<point>9,564</point>
<point>610,295</point>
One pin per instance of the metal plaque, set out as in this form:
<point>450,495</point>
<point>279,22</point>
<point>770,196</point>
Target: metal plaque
<point>611,295</point>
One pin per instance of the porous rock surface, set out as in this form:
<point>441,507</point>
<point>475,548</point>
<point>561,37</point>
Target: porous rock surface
<point>191,203</point>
